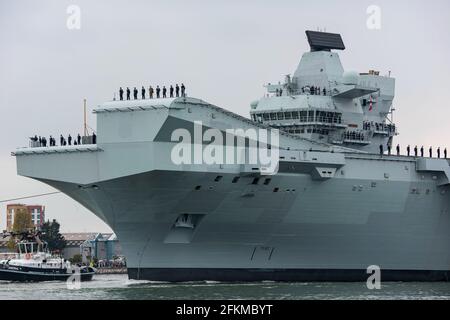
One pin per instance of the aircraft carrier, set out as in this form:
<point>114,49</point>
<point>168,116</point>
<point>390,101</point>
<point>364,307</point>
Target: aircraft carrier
<point>335,205</point>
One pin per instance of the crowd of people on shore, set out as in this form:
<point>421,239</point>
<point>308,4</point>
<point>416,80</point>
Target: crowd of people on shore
<point>154,92</point>
<point>38,141</point>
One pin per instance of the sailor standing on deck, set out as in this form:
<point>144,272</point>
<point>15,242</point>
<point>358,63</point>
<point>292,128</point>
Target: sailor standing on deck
<point>431,152</point>
<point>171,91</point>
<point>445,153</point>
<point>421,151</point>
<point>398,149</point>
<point>135,93</point>
<point>381,149</point>
<point>79,139</point>
<point>143,93</point>
<point>61,140</point>
<point>415,151</point>
<point>158,90</point>
<point>183,90</point>
<point>408,150</point>
<point>177,90</point>
<point>70,140</point>
<point>128,93</point>
<point>164,92</point>
<point>150,92</point>
<point>121,93</point>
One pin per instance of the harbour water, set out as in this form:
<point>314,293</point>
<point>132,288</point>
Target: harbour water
<point>114,287</point>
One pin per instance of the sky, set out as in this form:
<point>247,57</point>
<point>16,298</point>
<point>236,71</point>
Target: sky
<point>223,51</point>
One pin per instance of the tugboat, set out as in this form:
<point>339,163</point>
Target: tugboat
<point>34,262</point>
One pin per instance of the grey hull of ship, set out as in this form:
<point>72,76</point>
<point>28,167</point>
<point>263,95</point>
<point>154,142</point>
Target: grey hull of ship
<point>327,214</point>
<point>307,231</point>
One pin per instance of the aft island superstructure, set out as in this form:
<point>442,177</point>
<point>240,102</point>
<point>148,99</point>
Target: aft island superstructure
<point>335,205</point>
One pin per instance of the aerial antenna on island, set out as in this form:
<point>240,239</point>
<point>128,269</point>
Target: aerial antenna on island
<point>85,122</point>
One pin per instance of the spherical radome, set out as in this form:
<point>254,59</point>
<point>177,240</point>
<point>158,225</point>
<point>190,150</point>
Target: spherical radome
<point>350,77</point>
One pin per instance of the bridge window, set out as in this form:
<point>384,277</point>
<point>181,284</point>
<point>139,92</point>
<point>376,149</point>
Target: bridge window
<point>266,117</point>
<point>303,116</point>
<point>288,115</point>
<point>310,116</point>
<point>280,115</point>
<point>273,116</point>
<point>295,115</point>
<point>330,117</point>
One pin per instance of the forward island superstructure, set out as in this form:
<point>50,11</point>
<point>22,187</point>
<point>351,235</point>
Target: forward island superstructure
<point>335,206</point>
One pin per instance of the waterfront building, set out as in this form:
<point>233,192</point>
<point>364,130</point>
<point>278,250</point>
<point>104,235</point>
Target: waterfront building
<point>37,213</point>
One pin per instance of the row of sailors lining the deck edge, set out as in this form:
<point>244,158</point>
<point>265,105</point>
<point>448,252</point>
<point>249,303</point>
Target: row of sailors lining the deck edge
<point>152,91</point>
<point>379,126</point>
<point>416,151</point>
<point>305,90</point>
<point>42,141</point>
<point>314,91</point>
<point>354,135</point>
